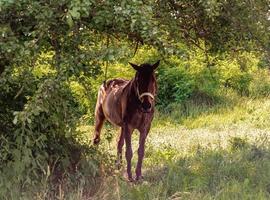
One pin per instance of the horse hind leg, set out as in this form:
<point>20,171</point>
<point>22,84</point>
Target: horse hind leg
<point>99,120</point>
<point>120,144</point>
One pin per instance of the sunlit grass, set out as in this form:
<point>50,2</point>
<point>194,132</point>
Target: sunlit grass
<point>217,155</point>
<point>200,163</point>
<point>249,112</point>
<point>253,113</point>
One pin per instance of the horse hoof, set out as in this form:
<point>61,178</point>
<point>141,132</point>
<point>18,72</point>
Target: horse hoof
<point>118,166</point>
<point>139,178</point>
<point>131,180</point>
<point>96,141</point>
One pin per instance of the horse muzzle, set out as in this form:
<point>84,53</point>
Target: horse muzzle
<point>146,111</point>
<point>146,107</point>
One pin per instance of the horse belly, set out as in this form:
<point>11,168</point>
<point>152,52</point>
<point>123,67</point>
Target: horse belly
<point>112,110</point>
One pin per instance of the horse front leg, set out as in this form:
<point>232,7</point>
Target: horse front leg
<point>119,149</point>
<point>143,135</point>
<point>129,153</point>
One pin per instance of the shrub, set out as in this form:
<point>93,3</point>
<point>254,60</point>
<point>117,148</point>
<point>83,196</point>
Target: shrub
<point>233,77</point>
<point>38,131</point>
<point>260,84</point>
<point>175,85</point>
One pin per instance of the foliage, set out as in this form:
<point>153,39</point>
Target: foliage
<point>42,134</point>
<point>52,55</point>
<point>259,86</point>
<point>204,78</point>
<point>174,84</point>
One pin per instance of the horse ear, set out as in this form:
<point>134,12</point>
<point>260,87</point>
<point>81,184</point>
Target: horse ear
<point>154,66</point>
<point>136,67</point>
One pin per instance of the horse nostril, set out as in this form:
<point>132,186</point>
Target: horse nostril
<point>146,105</point>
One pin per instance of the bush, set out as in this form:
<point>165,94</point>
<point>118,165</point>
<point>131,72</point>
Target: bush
<point>174,85</point>
<point>185,79</point>
<point>38,131</point>
<point>260,84</point>
<point>233,77</point>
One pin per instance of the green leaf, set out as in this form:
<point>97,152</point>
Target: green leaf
<point>29,120</point>
<point>15,120</point>
<point>75,13</point>
<point>69,20</point>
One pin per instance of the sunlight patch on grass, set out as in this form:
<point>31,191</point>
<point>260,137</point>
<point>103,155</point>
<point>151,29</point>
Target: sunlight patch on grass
<point>254,113</point>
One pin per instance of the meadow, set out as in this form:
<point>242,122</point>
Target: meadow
<point>219,153</point>
<point>216,155</point>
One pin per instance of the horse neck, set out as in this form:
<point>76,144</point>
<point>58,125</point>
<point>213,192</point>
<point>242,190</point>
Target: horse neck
<point>133,88</point>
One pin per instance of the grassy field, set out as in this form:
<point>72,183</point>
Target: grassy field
<point>217,152</point>
<point>220,154</point>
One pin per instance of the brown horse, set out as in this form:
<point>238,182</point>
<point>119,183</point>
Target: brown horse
<point>130,105</point>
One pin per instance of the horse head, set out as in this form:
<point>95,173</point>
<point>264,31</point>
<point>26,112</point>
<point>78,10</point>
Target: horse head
<point>145,85</point>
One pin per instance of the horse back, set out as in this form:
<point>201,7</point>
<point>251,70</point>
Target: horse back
<point>114,82</point>
<point>112,99</point>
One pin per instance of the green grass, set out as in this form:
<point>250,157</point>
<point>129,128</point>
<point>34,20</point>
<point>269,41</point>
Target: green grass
<point>199,164</point>
<point>230,112</point>
<point>217,153</point>
<point>253,113</point>
<point>220,154</point>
